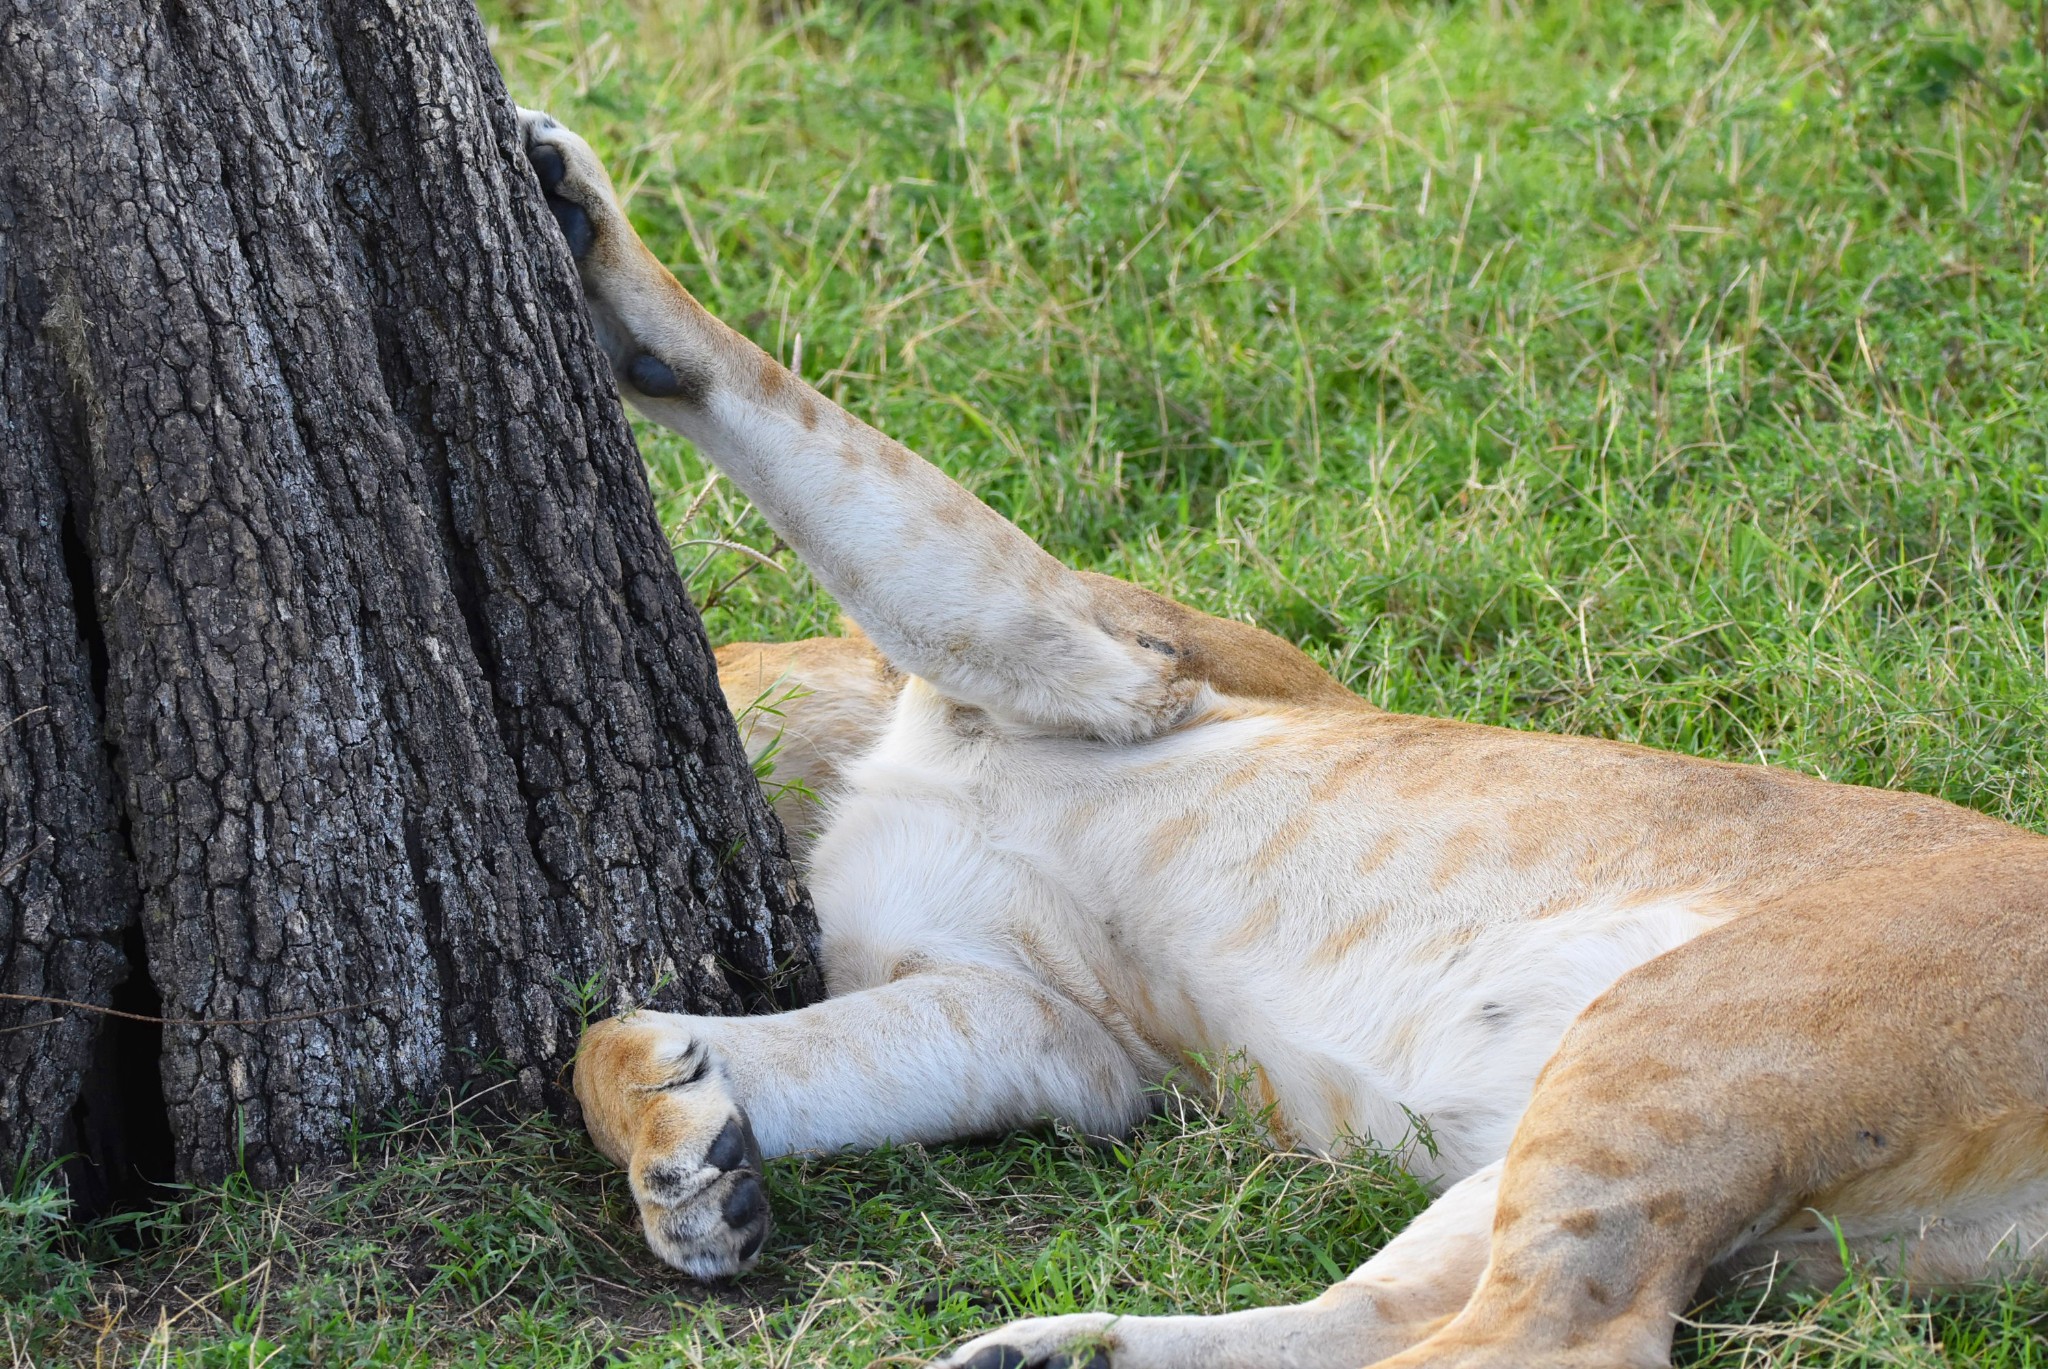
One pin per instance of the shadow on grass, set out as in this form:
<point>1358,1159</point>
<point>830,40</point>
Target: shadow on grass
<point>451,1242</point>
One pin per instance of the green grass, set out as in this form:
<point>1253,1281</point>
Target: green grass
<point>1671,372</point>
<point>447,1243</point>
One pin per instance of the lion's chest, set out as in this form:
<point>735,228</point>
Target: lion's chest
<point>1058,857</point>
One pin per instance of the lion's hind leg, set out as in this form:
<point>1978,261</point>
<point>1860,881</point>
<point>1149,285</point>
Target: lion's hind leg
<point>1925,1252</point>
<point>1870,1049</point>
<point>806,711</point>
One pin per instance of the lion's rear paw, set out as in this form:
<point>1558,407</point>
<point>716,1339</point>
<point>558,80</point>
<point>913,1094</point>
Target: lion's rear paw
<point>1076,1342</point>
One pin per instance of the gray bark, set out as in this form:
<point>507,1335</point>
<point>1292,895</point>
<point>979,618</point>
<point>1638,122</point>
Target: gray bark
<point>304,439</point>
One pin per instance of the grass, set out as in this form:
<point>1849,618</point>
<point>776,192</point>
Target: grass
<point>1670,372</point>
<point>451,1244</point>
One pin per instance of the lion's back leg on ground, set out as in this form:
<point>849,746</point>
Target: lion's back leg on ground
<point>1864,1057</point>
<point>1866,1053</point>
<point>806,710</point>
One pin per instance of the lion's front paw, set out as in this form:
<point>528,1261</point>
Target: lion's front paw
<point>573,178</point>
<point>656,1101</point>
<point>630,298</point>
<point>1085,1341</point>
<point>701,1202</point>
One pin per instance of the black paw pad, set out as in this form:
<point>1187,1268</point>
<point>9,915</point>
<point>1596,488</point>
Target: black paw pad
<point>995,1357</point>
<point>745,1210</point>
<point>746,1204</point>
<point>735,1147</point>
<point>575,224</point>
<point>655,378</point>
<point>548,165</point>
<point>1098,1358</point>
<point>751,1246</point>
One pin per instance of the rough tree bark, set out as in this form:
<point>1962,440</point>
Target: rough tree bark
<point>343,666</point>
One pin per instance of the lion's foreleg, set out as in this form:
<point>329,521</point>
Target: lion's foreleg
<point>691,1105</point>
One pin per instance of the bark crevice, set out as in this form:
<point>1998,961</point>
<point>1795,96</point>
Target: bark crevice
<point>78,570</point>
<point>122,1128</point>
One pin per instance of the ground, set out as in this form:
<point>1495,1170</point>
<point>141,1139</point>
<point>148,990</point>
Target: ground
<point>1670,372</point>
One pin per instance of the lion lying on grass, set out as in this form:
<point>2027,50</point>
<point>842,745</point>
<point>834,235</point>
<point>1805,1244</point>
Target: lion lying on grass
<point>1668,1020</point>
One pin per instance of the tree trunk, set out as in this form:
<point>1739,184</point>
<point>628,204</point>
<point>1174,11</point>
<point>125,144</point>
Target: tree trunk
<point>347,667</point>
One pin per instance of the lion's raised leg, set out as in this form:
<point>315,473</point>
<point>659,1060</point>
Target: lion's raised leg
<point>1866,1052</point>
<point>947,588</point>
<point>689,1106</point>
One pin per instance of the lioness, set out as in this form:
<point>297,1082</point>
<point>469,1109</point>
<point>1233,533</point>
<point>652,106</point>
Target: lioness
<point>1668,1019</point>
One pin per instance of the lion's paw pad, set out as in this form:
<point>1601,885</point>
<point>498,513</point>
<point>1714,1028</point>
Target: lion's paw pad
<point>706,1214</point>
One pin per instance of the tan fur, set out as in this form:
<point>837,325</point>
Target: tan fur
<point>1235,659</point>
<point>1670,1019</point>
<point>1854,1050</point>
<point>808,705</point>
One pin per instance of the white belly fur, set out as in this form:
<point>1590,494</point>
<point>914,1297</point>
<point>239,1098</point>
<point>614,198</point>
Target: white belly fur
<point>1200,900</point>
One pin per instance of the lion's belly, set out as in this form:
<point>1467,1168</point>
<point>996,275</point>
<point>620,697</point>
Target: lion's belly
<point>1373,975</point>
<point>1426,1036</point>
